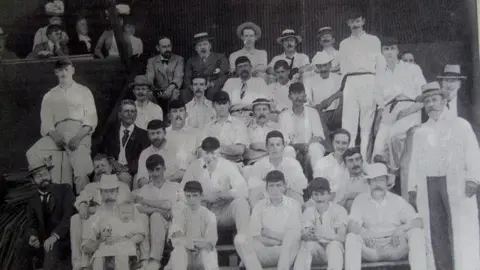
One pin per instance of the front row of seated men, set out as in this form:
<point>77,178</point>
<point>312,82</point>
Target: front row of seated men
<point>118,229</point>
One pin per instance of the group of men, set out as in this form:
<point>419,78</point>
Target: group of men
<point>238,153</point>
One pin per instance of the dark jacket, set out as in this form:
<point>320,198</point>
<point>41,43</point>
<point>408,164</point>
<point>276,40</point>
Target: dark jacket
<point>77,47</point>
<point>137,142</point>
<point>195,65</point>
<point>61,208</point>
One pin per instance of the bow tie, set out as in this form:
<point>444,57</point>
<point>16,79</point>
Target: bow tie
<point>44,196</point>
<point>165,61</point>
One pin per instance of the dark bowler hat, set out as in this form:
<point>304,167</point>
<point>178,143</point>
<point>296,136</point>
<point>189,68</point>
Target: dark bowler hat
<point>220,97</point>
<point>63,62</point>
<point>319,184</point>
<point>210,144</point>
<point>193,186</point>
<point>201,37</point>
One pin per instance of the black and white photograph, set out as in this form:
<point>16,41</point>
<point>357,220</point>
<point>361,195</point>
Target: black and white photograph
<point>239,135</point>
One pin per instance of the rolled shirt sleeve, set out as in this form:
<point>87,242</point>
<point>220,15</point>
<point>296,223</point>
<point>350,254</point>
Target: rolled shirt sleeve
<point>90,118</point>
<point>237,182</point>
<point>255,225</point>
<point>46,115</point>
<point>308,218</point>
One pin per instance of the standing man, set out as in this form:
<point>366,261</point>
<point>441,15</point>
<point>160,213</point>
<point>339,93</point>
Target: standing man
<point>384,227</point>
<point>397,86</point>
<point>212,65</point>
<point>274,229</point>
<point>244,89</point>
<point>230,131</point>
<point>68,119</point>
<point>165,72</point>
<point>452,80</point>
<point>360,58</point>
<point>146,110</point>
<point>443,179</point>
<point>249,33</point>
<point>297,62</point>
<point>327,42</point>
<point>48,215</point>
<point>200,110</point>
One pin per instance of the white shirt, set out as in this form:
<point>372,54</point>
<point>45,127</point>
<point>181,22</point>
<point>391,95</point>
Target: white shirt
<point>290,167</point>
<point>122,158</point>
<point>74,103</point>
<point>329,168</point>
<point>381,217</point>
<point>406,79</point>
<point>147,113</point>
<point>87,40</point>
<point>301,129</point>
<point>183,143</point>
<point>258,58</point>
<point>225,177</point>
<point>299,60</point>
<point>199,113</point>
<point>360,54</point>
<point>327,223</point>
<point>173,160</point>
<point>258,134</point>
<point>232,131</point>
<point>256,88</point>
<point>279,218</point>
<point>319,89</point>
<point>279,93</point>
<point>137,45</point>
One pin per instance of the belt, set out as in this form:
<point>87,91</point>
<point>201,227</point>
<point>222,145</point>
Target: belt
<point>65,120</point>
<point>344,80</point>
<point>394,102</point>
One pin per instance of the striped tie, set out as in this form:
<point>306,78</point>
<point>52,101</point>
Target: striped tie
<point>243,90</point>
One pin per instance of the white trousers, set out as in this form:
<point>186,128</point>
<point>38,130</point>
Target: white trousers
<point>255,255</point>
<point>314,253</point>
<point>154,243</point>
<point>359,108</point>
<point>355,250</point>
<point>78,227</point>
<point>183,259</point>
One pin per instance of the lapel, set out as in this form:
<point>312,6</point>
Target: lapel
<point>131,140</point>
<point>172,63</point>
<point>159,65</point>
<point>52,201</point>
<point>37,207</point>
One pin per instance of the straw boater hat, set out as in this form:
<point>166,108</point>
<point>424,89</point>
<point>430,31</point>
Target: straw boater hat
<point>452,72</point>
<point>36,164</point>
<point>289,33</point>
<point>432,88</point>
<point>109,181</point>
<point>140,80</point>
<point>379,169</point>
<point>324,30</point>
<point>201,37</point>
<point>251,25</point>
<point>322,58</point>
<point>260,101</point>
<point>123,9</point>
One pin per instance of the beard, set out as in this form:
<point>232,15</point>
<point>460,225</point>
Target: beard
<point>44,184</point>
<point>167,54</point>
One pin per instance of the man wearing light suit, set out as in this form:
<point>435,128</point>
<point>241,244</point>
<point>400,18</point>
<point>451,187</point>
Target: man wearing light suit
<point>212,65</point>
<point>165,73</point>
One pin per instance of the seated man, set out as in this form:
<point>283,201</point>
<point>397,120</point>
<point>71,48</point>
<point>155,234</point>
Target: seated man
<point>383,226</point>
<point>68,119</point>
<point>146,110</point>
<point>41,34</point>
<point>225,190</point>
<point>123,142</point>
<point>48,217</point>
<point>332,167</point>
<point>231,132</point>
<point>193,233</point>
<point>277,159</point>
<point>85,204</point>
<point>135,43</point>
<point>175,161</point>
<point>156,200</point>
<point>274,230</point>
<point>53,46</point>
<point>200,109</point>
<point>324,230</point>
<point>302,127</point>
<point>258,129</point>
<point>353,181</point>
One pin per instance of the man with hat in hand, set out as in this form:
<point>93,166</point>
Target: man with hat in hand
<point>298,61</point>
<point>48,219</point>
<point>5,54</point>
<point>165,71</point>
<point>146,110</point>
<point>443,178</point>
<point>327,41</point>
<point>383,226</point>
<point>212,65</point>
<point>360,57</point>
<point>249,33</point>
<point>68,119</point>
<point>53,46</point>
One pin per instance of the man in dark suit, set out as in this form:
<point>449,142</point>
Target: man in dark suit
<point>48,221</point>
<point>165,73</point>
<point>212,65</point>
<point>124,142</point>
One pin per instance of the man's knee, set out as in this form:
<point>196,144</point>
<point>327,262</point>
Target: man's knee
<point>353,241</point>
<point>241,205</point>
<point>415,235</point>
<point>335,246</point>
<point>157,221</point>
<point>240,240</point>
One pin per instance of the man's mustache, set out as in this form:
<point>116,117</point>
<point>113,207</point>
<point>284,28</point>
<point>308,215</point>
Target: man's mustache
<point>289,46</point>
<point>356,167</point>
<point>262,116</point>
<point>178,118</point>
<point>355,27</point>
<point>244,72</point>
<point>326,40</point>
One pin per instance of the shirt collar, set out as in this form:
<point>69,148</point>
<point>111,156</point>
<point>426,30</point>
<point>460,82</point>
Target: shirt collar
<point>383,202</point>
<point>362,34</point>
<point>229,119</point>
<point>204,101</point>
<point>269,201</point>
<point>130,128</point>
<point>83,37</point>
<point>255,125</point>
<point>252,52</point>
<point>294,55</point>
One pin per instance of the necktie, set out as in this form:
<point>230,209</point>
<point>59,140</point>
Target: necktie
<point>204,59</point>
<point>125,137</point>
<point>243,90</point>
<point>165,61</point>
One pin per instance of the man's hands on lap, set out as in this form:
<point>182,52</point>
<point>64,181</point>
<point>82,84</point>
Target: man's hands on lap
<point>48,244</point>
<point>471,188</point>
<point>57,137</point>
<point>34,242</point>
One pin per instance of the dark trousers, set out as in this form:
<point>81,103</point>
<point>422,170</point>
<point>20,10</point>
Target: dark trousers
<point>109,263</point>
<point>440,222</point>
<point>25,255</point>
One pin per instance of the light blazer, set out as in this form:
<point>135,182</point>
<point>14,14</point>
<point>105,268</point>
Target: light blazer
<point>160,77</point>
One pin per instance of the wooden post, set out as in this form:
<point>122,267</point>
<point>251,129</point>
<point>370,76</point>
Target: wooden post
<point>473,14</point>
<point>118,31</point>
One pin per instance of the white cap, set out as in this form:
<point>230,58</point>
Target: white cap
<point>109,181</point>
